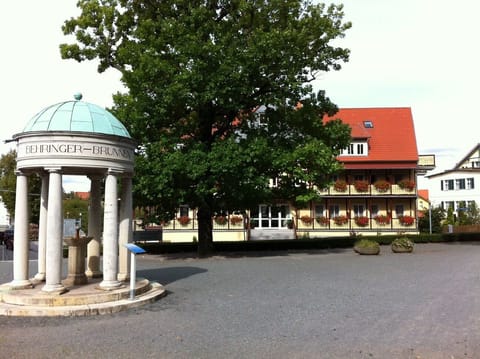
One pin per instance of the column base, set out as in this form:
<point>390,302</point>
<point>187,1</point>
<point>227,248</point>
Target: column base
<point>94,274</point>
<point>75,279</point>
<point>123,277</point>
<point>110,285</point>
<point>56,289</point>
<point>20,284</point>
<point>39,277</point>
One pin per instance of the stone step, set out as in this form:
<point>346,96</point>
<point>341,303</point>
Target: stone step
<point>83,302</point>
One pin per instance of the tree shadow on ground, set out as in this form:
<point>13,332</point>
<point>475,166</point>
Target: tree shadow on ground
<point>247,254</point>
<point>170,274</point>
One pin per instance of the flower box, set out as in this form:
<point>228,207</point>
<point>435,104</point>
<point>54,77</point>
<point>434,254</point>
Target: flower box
<point>406,185</point>
<point>220,220</point>
<point>406,220</point>
<point>340,220</point>
<point>183,220</point>
<point>234,220</point>
<point>340,186</point>
<point>361,221</point>
<point>382,219</point>
<point>382,185</point>
<point>306,220</point>
<point>361,186</point>
<point>322,220</point>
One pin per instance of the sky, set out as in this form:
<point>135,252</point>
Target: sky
<point>422,54</point>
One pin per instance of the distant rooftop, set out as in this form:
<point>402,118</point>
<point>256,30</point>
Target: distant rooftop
<point>76,116</point>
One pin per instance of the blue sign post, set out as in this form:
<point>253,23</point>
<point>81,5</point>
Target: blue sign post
<point>134,249</point>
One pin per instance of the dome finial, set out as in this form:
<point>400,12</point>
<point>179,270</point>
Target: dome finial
<point>78,96</point>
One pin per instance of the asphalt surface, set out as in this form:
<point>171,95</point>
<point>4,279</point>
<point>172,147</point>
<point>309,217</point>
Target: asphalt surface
<point>318,304</point>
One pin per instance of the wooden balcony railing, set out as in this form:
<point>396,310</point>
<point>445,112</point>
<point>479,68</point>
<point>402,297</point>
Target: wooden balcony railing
<point>370,190</point>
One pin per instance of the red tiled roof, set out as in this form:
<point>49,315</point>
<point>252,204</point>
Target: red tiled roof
<point>83,195</point>
<point>423,193</point>
<point>392,142</point>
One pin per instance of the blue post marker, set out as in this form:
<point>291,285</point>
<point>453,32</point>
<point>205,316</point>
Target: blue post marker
<point>134,249</point>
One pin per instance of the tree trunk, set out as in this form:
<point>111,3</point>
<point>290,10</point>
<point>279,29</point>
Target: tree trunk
<point>205,228</point>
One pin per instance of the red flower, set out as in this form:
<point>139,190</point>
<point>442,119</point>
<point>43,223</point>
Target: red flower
<point>406,220</point>
<point>361,186</point>
<point>382,219</point>
<point>306,219</point>
<point>361,221</point>
<point>322,220</point>
<point>183,220</point>
<point>340,186</point>
<point>340,220</point>
<point>382,185</point>
<point>406,185</point>
<point>236,219</point>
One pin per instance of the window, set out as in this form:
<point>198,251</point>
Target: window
<point>470,183</point>
<point>368,124</point>
<point>359,148</point>
<point>334,210</point>
<point>448,204</point>
<point>319,209</point>
<point>447,185</point>
<point>374,210</point>
<point>399,210</point>
<point>358,210</point>
<point>183,211</point>
<point>461,205</point>
<point>356,149</point>
<point>460,183</point>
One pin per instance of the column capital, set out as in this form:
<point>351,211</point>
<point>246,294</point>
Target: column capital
<point>114,172</point>
<point>53,169</point>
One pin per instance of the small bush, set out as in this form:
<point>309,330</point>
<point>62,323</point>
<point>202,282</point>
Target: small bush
<point>402,244</point>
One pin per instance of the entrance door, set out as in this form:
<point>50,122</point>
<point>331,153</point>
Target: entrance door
<point>270,216</point>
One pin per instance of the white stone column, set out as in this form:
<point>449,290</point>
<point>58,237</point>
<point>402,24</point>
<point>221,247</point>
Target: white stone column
<point>125,229</point>
<point>54,250</point>
<point>110,234</point>
<point>94,228</point>
<point>42,230</point>
<point>20,235</point>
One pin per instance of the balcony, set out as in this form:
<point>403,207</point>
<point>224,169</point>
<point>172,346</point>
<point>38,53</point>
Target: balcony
<point>404,189</point>
<point>342,223</point>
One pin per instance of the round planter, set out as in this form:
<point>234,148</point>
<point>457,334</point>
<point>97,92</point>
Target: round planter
<point>398,249</point>
<point>367,250</point>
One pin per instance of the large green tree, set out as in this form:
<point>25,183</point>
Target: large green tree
<point>213,94</point>
<point>8,180</point>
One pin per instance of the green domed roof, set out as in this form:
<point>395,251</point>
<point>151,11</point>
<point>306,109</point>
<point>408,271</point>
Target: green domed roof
<point>76,116</point>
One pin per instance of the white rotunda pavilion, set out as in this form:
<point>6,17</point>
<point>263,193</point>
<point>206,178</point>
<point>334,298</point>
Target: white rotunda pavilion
<point>75,138</point>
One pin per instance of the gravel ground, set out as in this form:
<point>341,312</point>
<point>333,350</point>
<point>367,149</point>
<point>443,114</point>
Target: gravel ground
<point>316,304</point>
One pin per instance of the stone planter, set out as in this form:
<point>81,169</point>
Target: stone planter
<point>399,249</point>
<point>367,250</point>
<point>402,245</point>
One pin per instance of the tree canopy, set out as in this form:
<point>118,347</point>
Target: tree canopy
<point>213,97</point>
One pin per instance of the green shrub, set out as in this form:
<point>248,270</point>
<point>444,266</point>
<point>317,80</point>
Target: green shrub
<point>366,243</point>
<point>402,244</point>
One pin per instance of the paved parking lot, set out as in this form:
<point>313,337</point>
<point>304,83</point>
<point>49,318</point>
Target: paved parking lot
<point>318,304</point>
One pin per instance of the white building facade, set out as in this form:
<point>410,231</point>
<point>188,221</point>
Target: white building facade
<point>458,187</point>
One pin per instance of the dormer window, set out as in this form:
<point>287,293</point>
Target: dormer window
<point>356,148</point>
